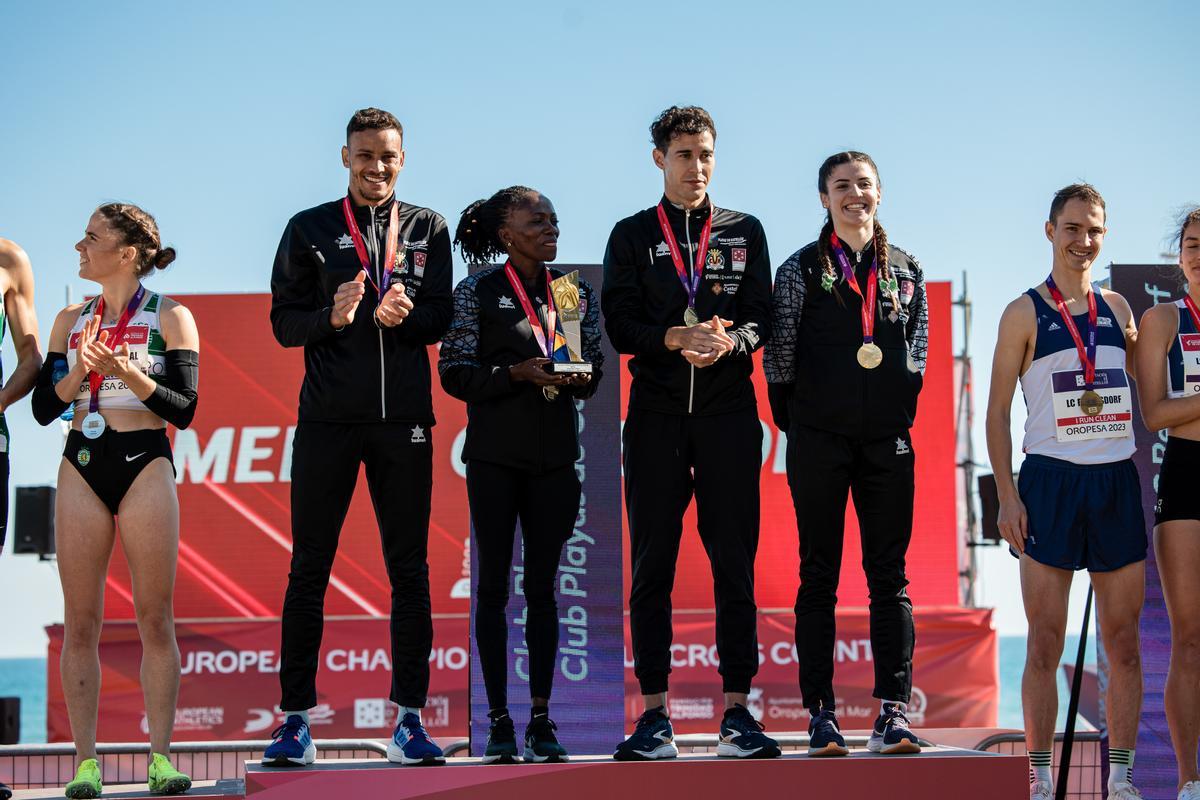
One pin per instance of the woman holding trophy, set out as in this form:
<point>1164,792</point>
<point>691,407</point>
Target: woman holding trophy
<point>523,346</point>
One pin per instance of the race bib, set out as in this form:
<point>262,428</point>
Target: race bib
<point>138,339</point>
<point>1115,420</point>
<point>1189,343</point>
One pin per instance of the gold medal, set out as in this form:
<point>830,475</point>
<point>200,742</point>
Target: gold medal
<point>869,355</point>
<point>1091,403</point>
<point>550,393</point>
<point>690,317</point>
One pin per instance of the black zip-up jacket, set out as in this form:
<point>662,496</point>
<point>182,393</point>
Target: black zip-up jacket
<point>643,297</point>
<point>512,424</point>
<point>364,372</point>
<point>813,375</point>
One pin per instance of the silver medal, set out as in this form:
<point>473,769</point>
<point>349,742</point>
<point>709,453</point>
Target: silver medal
<point>93,425</point>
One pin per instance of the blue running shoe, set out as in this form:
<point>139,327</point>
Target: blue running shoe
<point>653,738</point>
<point>502,742</point>
<point>891,735</point>
<point>824,735</point>
<point>541,745</point>
<point>742,736</point>
<point>291,745</point>
<point>411,745</point>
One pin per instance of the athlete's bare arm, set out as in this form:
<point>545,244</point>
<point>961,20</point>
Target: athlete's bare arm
<point>16,285</point>
<point>1124,314</point>
<point>1160,325</point>
<point>1014,347</point>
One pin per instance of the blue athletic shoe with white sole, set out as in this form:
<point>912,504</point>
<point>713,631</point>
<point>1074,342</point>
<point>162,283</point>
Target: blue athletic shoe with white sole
<point>891,735</point>
<point>411,745</point>
<point>291,745</point>
<point>541,745</point>
<point>653,738</point>
<point>741,736</point>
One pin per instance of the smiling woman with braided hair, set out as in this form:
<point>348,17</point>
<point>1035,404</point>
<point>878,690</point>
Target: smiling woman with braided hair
<point>522,438</point>
<point>128,360</point>
<point>844,365</point>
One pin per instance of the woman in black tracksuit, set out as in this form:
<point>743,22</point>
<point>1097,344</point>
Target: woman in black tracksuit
<point>844,366</point>
<point>522,438</point>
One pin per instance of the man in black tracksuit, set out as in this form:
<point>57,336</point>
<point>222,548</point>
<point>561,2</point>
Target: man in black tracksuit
<point>692,425</point>
<point>365,400</point>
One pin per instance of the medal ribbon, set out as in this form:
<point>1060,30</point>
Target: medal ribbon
<point>547,338</point>
<point>1087,355</point>
<point>360,247</point>
<point>868,307</point>
<point>690,285</point>
<point>95,380</point>
<point>1195,312</point>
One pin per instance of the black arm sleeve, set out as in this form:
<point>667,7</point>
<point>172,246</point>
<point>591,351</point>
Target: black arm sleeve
<point>47,405</point>
<point>463,375</point>
<point>174,398</point>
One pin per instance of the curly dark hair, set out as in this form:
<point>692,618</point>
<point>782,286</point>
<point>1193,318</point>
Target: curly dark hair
<point>138,229</point>
<point>478,233</point>
<point>1076,191</point>
<point>370,119</point>
<point>679,121</point>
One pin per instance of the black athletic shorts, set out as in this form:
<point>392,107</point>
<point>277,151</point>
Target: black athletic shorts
<point>112,462</point>
<point>1178,497</point>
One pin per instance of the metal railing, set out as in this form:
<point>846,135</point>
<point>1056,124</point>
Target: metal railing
<point>1085,780</point>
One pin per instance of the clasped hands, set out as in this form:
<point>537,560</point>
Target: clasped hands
<point>702,344</point>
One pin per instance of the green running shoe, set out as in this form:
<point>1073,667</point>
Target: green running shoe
<point>87,780</point>
<point>164,778</point>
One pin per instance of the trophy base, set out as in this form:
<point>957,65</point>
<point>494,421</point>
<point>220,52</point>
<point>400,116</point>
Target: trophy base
<point>569,368</point>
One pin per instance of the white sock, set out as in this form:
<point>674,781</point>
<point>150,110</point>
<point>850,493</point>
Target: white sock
<point>1120,766</point>
<point>301,714</point>
<point>884,703</point>
<point>410,710</point>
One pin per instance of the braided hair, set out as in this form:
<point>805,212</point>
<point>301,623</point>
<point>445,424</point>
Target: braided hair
<point>824,251</point>
<point>138,229</point>
<point>478,233</point>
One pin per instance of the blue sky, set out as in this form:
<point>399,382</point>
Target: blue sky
<point>223,119</point>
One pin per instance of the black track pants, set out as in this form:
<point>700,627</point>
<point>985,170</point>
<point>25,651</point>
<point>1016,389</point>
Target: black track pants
<point>667,459</point>
<point>547,505</point>
<point>325,463</point>
<point>822,468</point>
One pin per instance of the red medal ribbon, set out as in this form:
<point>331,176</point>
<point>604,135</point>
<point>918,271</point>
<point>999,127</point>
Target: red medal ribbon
<point>1087,354</point>
<point>545,338</point>
<point>868,307</point>
<point>1195,312</point>
<point>94,380</point>
<point>360,247</point>
<point>692,285</point>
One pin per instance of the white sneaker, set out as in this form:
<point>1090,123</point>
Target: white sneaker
<point>1041,790</point>
<point>1124,791</point>
<point>1190,791</point>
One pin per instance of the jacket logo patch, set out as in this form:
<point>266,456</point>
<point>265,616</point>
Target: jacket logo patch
<point>663,249</point>
<point>506,302</point>
<point>418,435</point>
<point>906,291</point>
<point>731,241</point>
<point>714,259</point>
<point>344,242</point>
<point>738,256</point>
<point>1104,322</point>
<point>902,447</point>
<point>422,244</point>
<point>717,288</point>
<point>418,264</point>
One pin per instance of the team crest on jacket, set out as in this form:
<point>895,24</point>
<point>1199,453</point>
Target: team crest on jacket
<point>715,259</point>
<point>739,259</point>
<point>344,242</point>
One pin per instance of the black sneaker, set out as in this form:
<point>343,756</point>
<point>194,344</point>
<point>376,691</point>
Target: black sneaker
<point>653,738</point>
<point>742,736</point>
<point>541,745</point>
<point>824,735</point>
<point>502,742</point>
<point>891,735</point>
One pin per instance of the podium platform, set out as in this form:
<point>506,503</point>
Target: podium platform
<point>201,790</point>
<point>936,772</point>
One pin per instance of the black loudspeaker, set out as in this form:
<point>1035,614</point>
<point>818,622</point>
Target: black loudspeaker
<point>34,521</point>
<point>989,508</point>
<point>10,720</point>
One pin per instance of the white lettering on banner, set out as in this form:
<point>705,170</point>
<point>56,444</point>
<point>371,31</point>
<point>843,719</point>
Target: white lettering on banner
<point>249,452</point>
<point>197,464</point>
<point>784,653</point>
<point>227,662</point>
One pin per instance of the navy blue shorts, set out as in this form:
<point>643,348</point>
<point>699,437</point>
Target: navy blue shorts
<point>1083,516</point>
